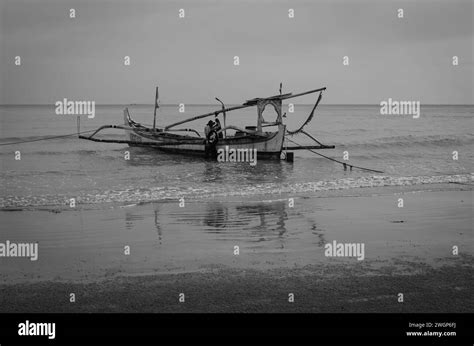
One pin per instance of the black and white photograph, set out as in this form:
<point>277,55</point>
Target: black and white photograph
<point>243,159</point>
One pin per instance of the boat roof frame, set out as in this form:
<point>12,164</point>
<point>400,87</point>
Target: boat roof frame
<point>248,103</point>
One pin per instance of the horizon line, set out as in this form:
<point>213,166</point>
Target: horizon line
<point>231,104</point>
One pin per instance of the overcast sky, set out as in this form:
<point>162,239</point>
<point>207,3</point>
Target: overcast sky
<point>191,59</point>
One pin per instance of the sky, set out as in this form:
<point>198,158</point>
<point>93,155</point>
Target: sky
<point>191,59</point>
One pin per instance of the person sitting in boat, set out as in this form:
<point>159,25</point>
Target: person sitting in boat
<point>218,127</point>
<point>208,128</point>
<point>211,140</point>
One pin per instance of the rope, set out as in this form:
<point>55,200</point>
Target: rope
<point>309,117</point>
<point>47,138</point>
<point>314,139</point>
<point>342,163</point>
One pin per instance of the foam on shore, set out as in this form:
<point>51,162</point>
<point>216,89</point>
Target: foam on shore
<point>148,194</point>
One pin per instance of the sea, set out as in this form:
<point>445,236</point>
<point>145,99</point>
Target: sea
<point>436,148</point>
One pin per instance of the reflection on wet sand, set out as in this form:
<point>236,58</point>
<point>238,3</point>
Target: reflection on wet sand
<point>217,216</point>
<point>158,226</point>
<point>319,233</point>
<point>130,218</point>
<point>250,222</point>
<point>272,217</point>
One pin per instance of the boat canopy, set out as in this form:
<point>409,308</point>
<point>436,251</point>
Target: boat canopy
<point>260,102</point>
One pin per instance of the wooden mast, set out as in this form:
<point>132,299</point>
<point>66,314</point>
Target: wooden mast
<point>223,112</point>
<point>156,106</point>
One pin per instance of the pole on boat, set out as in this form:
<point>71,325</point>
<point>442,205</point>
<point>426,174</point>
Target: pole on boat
<point>223,112</point>
<point>290,96</point>
<point>78,125</point>
<point>245,105</point>
<point>156,106</point>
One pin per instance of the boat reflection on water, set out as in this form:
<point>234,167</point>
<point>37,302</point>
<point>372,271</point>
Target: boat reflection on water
<point>248,222</point>
<point>203,234</point>
<point>216,218</point>
<point>158,227</point>
<point>212,173</point>
<point>270,216</point>
<point>130,219</point>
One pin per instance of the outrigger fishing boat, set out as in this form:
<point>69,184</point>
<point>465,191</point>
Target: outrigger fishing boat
<point>268,144</point>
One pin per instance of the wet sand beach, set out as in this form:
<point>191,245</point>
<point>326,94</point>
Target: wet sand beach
<point>191,250</point>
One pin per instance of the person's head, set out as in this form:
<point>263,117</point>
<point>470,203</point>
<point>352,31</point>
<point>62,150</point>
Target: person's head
<point>210,123</point>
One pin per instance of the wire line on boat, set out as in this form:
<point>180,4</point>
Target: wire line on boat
<point>308,120</point>
<point>342,163</point>
<point>47,138</point>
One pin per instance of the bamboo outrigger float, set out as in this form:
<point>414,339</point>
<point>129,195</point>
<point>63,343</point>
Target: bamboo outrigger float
<point>168,139</point>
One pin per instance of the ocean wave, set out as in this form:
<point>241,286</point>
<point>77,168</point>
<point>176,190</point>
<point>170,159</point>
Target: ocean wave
<point>152,194</point>
<point>411,141</point>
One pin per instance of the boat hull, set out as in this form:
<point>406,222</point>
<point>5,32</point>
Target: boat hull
<point>268,145</point>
